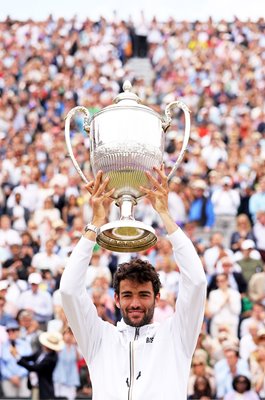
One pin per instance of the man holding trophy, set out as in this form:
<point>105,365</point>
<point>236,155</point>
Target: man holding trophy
<point>137,359</point>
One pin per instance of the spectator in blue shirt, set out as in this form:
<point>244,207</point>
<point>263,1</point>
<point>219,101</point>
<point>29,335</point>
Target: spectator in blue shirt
<point>201,208</point>
<point>14,377</point>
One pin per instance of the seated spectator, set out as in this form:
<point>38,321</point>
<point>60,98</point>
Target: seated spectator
<point>71,210</point>
<point>48,212</point>
<point>257,315</point>
<point>243,231</point>
<point>201,389</point>
<point>215,252</point>
<point>225,201</point>
<point>19,214</point>
<point>47,259</point>
<point>230,366</point>
<point>14,377</point>
<point>17,261</point>
<point>29,329</point>
<point>199,368</point>
<point>224,306</point>
<point>241,389</point>
<point>201,208</point>
<point>33,299</point>
<point>236,279</point>
<point>66,375</point>
<point>256,287</point>
<point>8,235</point>
<point>250,260</point>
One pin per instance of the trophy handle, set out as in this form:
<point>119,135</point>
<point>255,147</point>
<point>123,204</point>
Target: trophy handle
<point>166,124</point>
<point>70,114</point>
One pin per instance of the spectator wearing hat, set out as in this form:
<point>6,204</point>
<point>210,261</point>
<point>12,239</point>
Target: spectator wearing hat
<point>14,377</point>
<point>259,233</point>
<point>225,201</point>
<point>230,366</point>
<point>42,364</point>
<point>36,300</point>
<point>249,260</point>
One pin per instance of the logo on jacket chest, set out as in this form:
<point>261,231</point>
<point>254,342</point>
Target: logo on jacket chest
<point>150,339</point>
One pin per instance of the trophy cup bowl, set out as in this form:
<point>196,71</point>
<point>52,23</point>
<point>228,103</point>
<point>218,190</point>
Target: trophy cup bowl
<point>126,140</point>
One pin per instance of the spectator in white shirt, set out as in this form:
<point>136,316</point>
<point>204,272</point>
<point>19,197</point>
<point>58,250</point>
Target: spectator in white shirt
<point>36,300</point>
<point>48,259</point>
<point>226,201</point>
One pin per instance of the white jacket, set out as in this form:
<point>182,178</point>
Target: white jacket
<point>147,363</point>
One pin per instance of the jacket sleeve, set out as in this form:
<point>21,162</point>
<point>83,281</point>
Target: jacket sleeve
<point>78,307</point>
<point>190,305</point>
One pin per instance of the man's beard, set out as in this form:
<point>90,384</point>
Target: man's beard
<point>146,319</point>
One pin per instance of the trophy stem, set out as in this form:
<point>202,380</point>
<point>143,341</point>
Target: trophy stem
<point>127,234</point>
<point>126,204</point>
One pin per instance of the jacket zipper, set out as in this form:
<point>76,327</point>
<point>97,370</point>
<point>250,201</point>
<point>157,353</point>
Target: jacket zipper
<point>132,372</point>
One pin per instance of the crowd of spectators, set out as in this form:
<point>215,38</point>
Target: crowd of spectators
<point>217,195</point>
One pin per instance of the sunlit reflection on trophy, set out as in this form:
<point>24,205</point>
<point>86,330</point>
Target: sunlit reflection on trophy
<point>127,138</point>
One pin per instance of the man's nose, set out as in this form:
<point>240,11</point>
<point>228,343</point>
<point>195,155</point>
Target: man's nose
<point>135,302</point>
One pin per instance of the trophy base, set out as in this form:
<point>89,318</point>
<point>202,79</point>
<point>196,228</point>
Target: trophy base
<point>126,236</point>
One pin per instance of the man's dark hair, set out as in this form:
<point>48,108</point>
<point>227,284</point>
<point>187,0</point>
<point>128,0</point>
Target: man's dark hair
<point>139,271</point>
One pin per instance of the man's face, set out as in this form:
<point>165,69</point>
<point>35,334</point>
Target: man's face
<point>136,302</point>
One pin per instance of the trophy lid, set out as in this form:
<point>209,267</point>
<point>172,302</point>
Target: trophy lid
<point>127,94</point>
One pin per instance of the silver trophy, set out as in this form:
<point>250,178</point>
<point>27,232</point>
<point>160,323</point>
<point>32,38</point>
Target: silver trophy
<point>127,139</point>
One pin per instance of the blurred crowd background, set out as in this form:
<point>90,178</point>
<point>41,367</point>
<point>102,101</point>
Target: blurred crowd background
<point>217,195</point>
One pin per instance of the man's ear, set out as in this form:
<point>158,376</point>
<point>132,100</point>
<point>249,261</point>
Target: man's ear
<point>117,300</point>
<point>157,298</point>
